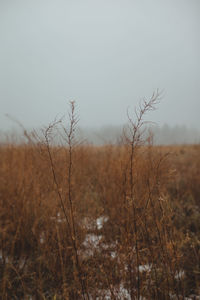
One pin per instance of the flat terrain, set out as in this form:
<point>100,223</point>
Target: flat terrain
<point>99,222</point>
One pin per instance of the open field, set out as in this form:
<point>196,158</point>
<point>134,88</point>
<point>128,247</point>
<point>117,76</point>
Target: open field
<point>100,226</point>
<point>109,222</point>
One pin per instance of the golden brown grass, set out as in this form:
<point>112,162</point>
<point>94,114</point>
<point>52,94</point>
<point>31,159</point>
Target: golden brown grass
<point>86,222</point>
<point>37,255</point>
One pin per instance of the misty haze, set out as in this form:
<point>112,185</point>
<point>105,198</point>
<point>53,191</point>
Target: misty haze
<point>105,55</point>
<point>99,149</point>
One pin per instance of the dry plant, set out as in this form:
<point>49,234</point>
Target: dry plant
<point>110,222</point>
<point>68,198</point>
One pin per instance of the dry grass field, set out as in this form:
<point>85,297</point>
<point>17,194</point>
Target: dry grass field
<point>110,222</point>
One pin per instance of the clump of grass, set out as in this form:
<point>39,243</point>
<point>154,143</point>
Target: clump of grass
<point>84,222</point>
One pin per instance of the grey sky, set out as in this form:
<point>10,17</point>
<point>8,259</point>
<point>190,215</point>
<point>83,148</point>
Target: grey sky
<point>105,54</point>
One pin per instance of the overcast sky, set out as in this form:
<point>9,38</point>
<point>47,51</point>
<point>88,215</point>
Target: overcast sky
<point>104,54</point>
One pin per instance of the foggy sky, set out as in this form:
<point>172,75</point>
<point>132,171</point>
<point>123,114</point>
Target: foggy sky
<point>104,54</point>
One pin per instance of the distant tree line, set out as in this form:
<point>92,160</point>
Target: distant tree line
<point>162,135</point>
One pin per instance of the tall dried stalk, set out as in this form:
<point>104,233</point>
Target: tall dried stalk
<point>134,139</point>
<point>71,227</point>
